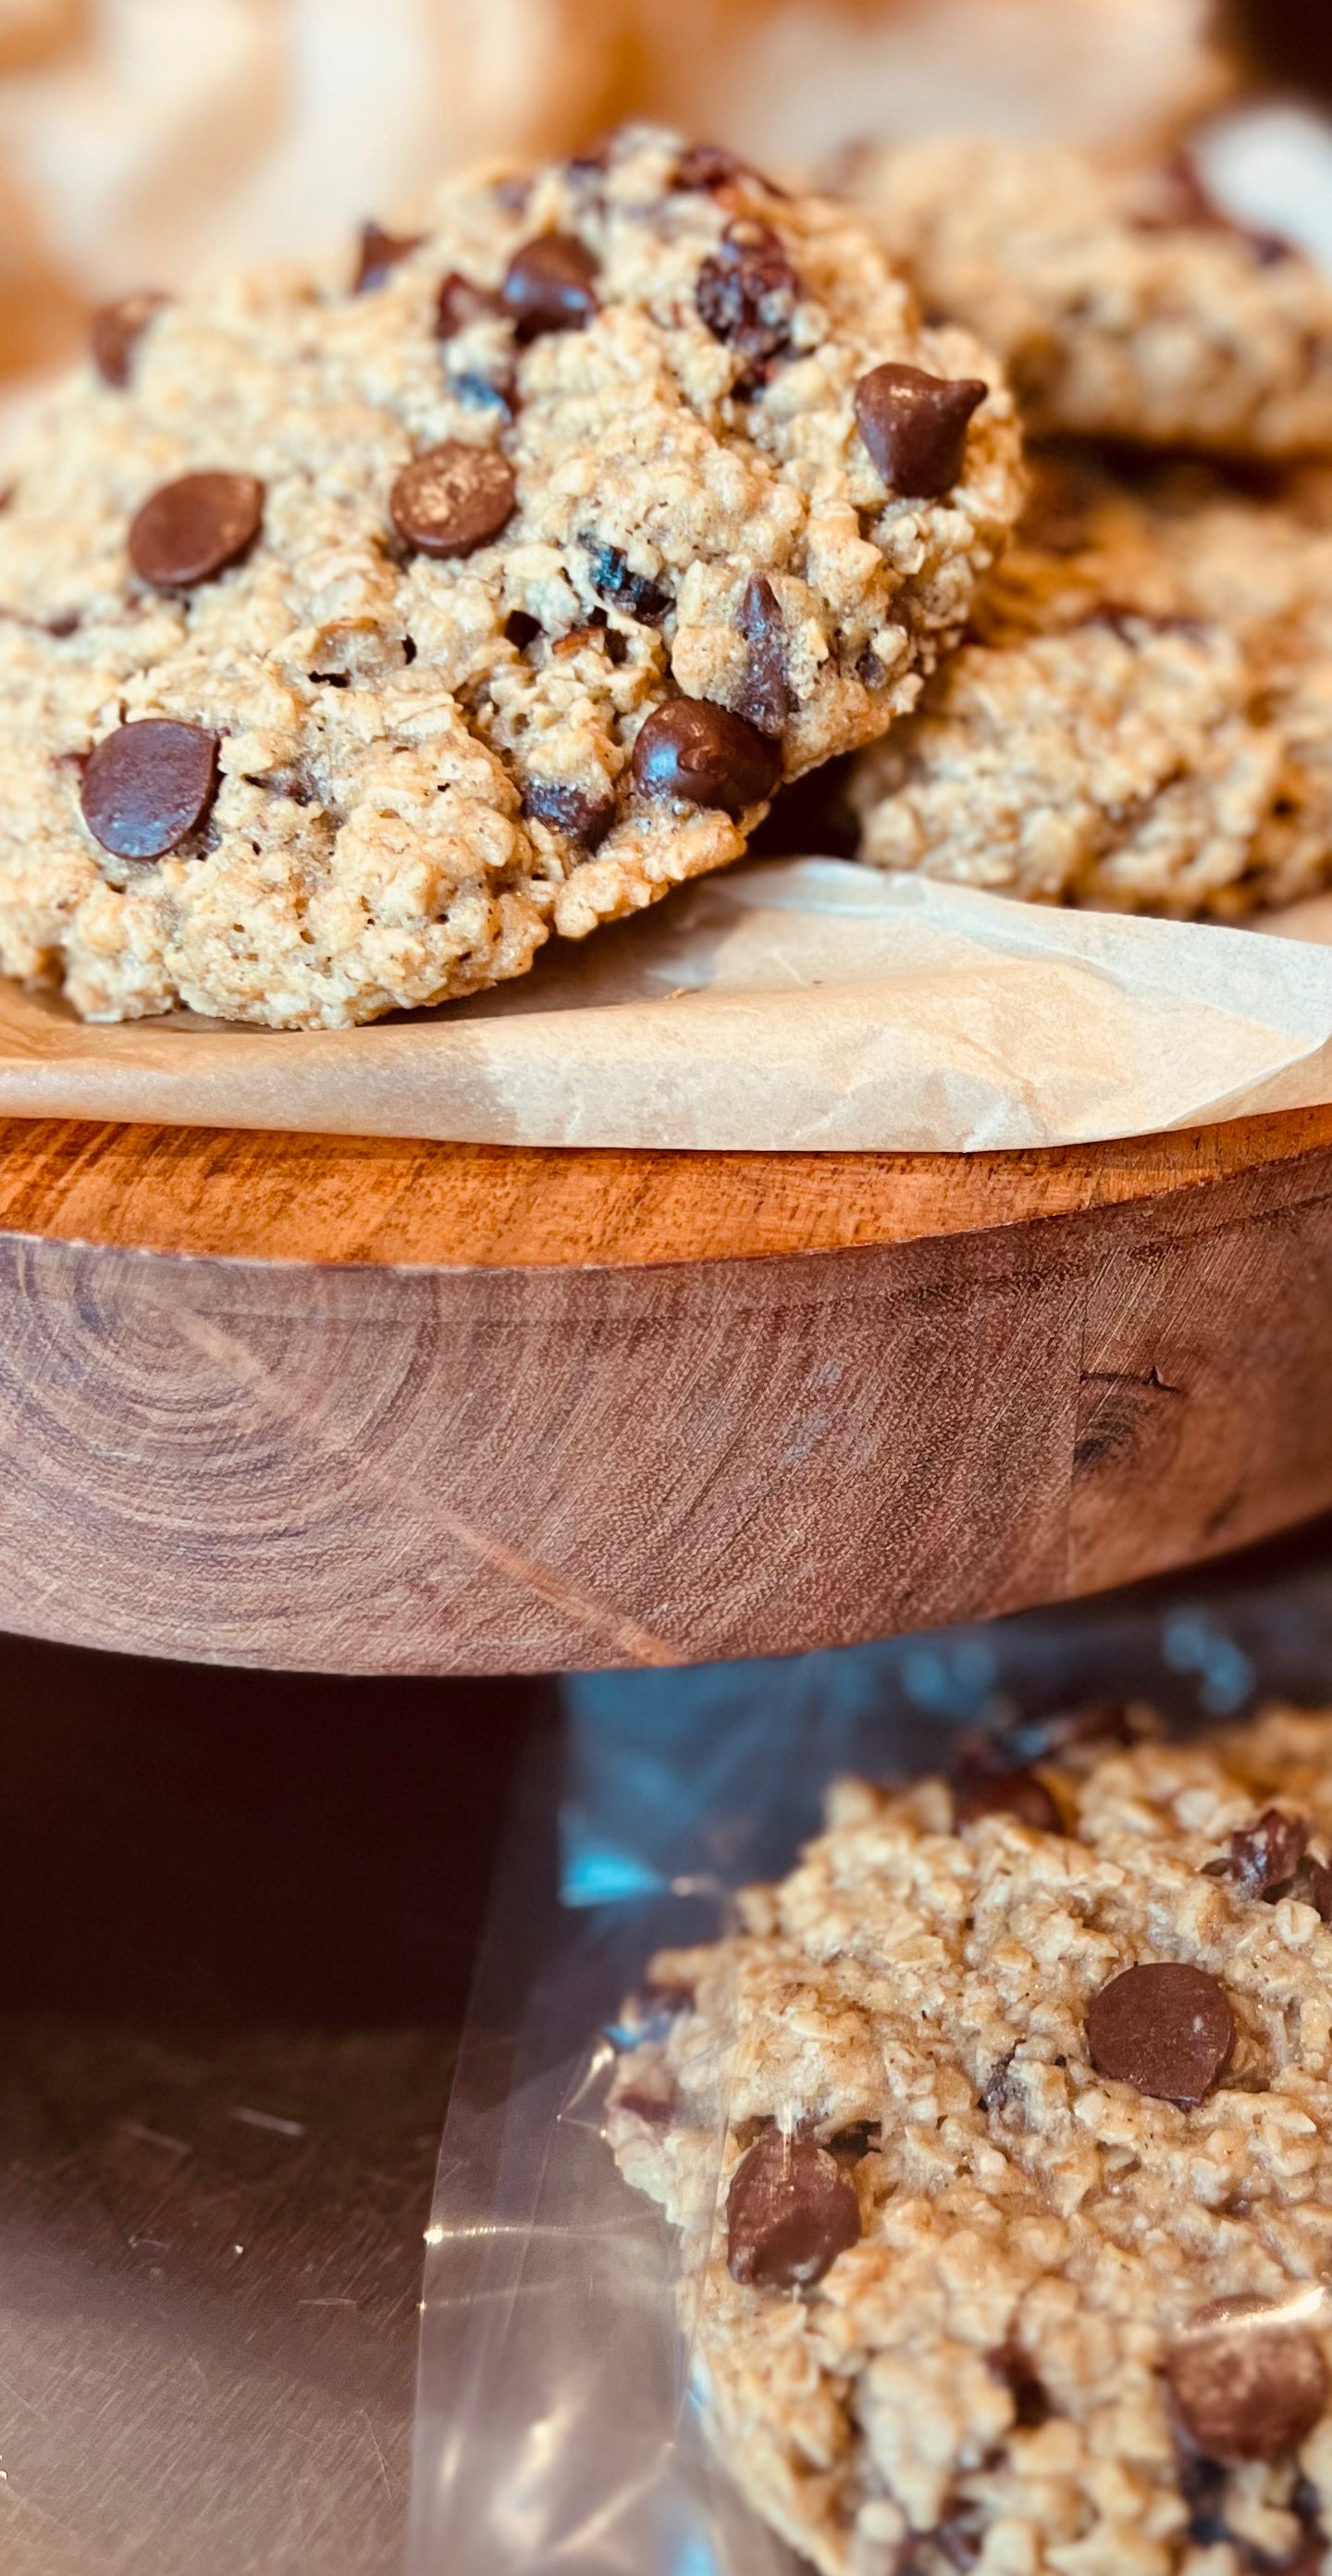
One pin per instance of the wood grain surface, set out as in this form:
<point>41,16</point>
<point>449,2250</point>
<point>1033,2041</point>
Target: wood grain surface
<point>375,1406</point>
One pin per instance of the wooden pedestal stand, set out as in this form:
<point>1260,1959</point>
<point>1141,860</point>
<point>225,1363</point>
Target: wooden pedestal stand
<point>376,1407</point>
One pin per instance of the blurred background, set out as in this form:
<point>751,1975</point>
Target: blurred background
<point>144,140</point>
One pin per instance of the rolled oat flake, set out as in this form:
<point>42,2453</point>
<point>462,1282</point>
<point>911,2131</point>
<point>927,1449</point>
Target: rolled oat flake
<point>1246,2381</point>
<point>149,784</point>
<point>790,2211</point>
<point>1165,2027</point>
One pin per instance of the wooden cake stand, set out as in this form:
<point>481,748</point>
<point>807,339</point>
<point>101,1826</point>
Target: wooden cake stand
<point>360,1406</point>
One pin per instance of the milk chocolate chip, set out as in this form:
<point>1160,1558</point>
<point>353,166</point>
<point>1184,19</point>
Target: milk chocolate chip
<point>915,427</point>
<point>148,785</point>
<point>790,2211</point>
<point>116,330</point>
<point>459,302</point>
<point>453,499</point>
<point>1245,2382</point>
<point>704,755</point>
<point>1166,2028</point>
<point>550,285</point>
<point>191,530</point>
<point>379,254</point>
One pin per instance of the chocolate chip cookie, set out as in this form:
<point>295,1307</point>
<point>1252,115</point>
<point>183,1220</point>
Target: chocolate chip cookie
<point>1143,719</point>
<point>1025,2198</point>
<point>358,633</point>
<point>1124,302</point>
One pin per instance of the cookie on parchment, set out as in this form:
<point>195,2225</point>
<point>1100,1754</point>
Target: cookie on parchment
<point>354,636</point>
<point>1025,2196</point>
<point>1123,302</point>
<point>1142,720</point>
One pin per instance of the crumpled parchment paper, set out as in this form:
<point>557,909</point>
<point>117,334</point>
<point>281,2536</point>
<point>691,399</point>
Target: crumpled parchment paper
<point>804,1004</point>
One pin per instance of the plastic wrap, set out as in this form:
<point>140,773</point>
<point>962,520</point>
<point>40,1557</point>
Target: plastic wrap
<point>556,2430</point>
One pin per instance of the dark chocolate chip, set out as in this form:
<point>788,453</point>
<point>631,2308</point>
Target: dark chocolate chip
<point>453,499</point>
<point>459,302</point>
<point>747,295</point>
<point>655,2109</point>
<point>1165,2028</point>
<point>550,285</point>
<point>568,809</point>
<point>790,2212</point>
<point>1031,2404</point>
<point>999,2091</point>
<point>191,530</point>
<point>1006,1793</point>
<point>710,167</point>
<point>149,785</point>
<point>116,330</point>
<point>1245,2383</point>
<point>852,2144</point>
<point>613,581</point>
<point>704,755</point>
<point>1310,1885</point>
<point>915,427</point>
<point>767,698</point>
<point>378,255</point>
<point>1263,1855</point>
<point>521,629</point>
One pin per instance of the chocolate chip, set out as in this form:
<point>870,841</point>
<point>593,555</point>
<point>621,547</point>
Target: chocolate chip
<point>1031,2404</point>
<point>116,330</point>
<point>767,698</point>
<point>999,2091</point>
<point>704,755</point>
<point>379,254</point>
<point>568,809</point>
<point>852,2144</point>
<point>191,530</point>
<point>747,295</point>
<point>790,2212</point>
<point>1263,1855</point>
<point>1006,1793</point>
<point>520,629</point>
<point>453,499</point>
<point>1166,2028</point>
<point>613,581</point>
<point>148,785</point>
<point>655,2109</point>
<point>915,427</point>
<point>550,285</point>
<point>710,167</point>
<point>1245,2383</point>
<point>459,303</point>
<point>1311,1885</point>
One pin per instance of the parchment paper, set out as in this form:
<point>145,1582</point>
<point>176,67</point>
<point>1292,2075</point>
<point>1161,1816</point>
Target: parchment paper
<point>804,1003</point>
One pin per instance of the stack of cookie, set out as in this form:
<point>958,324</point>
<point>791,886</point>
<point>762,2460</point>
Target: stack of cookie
<point>1023,2083</point>
<point>1142,715</point>
<point>358,632</point>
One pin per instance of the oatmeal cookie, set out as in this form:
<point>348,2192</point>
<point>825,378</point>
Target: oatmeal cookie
<point>355,636</point>
<point>1124,303</point>
<point>1143,719</point>
<point>1024,2085</point>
